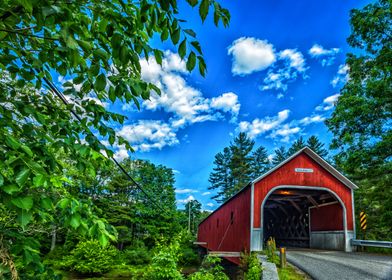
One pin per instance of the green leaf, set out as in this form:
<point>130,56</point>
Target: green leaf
<point>202,66</point>
<point>124,54</point>
<point>100,82</point>
<point>192,2</point>
<point>164,34</point>
<point>24,217</point>
<point>203,9</point>
<point>22,176</point>
<point>190,32</point>
<point>39,180</point>
<point>175,36</point>
<point>27,150</point>
<point>12,142</point>
<point>46,203</point>
<point>103,239</point>
<point>10,189</point>
<point>158,56</point>
<point>75,221</point>
<point>191,62</point>
<point>1,180</point>
<point>25,203</point>
<point>182,49</point>
<point>196,45</point>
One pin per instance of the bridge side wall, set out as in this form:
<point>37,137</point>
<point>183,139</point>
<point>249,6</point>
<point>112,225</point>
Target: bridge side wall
<point>327,233</point>
<point>222,234</point>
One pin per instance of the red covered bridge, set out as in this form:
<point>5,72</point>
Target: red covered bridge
<point>302,202</point>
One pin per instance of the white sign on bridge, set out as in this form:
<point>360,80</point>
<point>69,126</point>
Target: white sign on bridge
<point>304,170</point>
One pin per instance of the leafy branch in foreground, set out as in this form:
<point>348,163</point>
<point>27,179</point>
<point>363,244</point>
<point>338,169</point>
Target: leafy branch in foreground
<point>96,47</point>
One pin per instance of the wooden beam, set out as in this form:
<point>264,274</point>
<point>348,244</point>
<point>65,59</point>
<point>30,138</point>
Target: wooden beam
<point>284,210</point>
<point>273,214</point>
<point>225,254</point>
<point>311,199</point>
<point>199,243</point>
<point>296,206</point>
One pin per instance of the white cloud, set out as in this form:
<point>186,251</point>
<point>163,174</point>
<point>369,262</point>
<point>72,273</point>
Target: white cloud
<point>250,55</point>
<point>342,75</point>
<point>284,132</point>
<point>210,204</point>
<point>327,56</point>
<point>295,58</point>
<point>312,119</point>
<point>186,104</point>
<point>227,102</point>
<point>186,191</point>
<point>328,103</point>
<point>121,153</point>
<point>261,126</point>
<point>205,193</point>
<point>146,135</point>
<point>292,65</point>
<point>186,200</point>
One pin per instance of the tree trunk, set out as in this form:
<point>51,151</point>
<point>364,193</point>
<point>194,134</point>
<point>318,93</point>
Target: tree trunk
<point>53,244</point>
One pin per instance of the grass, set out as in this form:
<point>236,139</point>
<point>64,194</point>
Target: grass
<point>291,273</point>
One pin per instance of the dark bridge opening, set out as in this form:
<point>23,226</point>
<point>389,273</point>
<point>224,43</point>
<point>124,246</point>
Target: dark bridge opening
<point>297,217</point>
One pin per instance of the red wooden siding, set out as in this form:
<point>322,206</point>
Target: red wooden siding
<point>217,229</point>
<point>285,175</point>
<point>328,217</point>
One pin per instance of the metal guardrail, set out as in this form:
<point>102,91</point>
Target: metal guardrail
<point>372,243</point>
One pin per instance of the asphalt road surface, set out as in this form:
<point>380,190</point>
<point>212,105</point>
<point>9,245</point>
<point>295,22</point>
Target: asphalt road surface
<point>333,265</point>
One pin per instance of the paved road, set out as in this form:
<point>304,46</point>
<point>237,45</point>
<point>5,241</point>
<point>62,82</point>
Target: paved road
<point>332,265</point>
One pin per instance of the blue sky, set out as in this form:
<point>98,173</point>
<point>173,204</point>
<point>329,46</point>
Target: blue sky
<point>274,73</point>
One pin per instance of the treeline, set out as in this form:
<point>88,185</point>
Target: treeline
<point>240,163</point>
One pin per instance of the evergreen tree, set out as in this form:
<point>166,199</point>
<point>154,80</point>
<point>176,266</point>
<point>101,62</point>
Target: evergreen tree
<point>280,155</point>
<point>259,162</point>
<point>240,164</point>
<point>297,145</point>
<point>221,178</point>
<point>236,166</point>
<point>316,146</point>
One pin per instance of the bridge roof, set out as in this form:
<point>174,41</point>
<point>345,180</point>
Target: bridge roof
<point>317,159</point>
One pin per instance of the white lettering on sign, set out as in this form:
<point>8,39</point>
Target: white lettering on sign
<point>304,170</point>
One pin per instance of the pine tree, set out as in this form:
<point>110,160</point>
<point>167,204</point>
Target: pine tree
<point>316,146</point>
<point>220,178</point>
<point>259,162</point>
<point>240,164</point>
<point>297,145</point>
<point>233,168</point>
<point>280,155</point>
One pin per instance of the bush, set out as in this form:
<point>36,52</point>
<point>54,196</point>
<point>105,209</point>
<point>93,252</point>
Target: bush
<point>89,257</point>
<point>210,270</point>
<point>189,257</point>
<point>164,262</point>
<point>254,268</point>
<point>136,256</point>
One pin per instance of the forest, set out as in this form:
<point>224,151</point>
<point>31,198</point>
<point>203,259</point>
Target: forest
<point>70,209</point>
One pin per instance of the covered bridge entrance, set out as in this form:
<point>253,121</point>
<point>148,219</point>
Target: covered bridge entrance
<point>302,202</point>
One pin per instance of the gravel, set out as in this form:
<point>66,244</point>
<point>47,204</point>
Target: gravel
<point>334,265</point>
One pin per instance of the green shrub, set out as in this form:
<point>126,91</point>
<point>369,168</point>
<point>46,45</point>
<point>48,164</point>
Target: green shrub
<point>189,257</point>
<point>253,268</point>
<point>136,256</point>
<point>210,270</point>
<point>164,262</point>
<point>89,257</point>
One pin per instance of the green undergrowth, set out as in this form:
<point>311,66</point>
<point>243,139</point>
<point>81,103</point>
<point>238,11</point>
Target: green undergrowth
<point>291,273</point>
